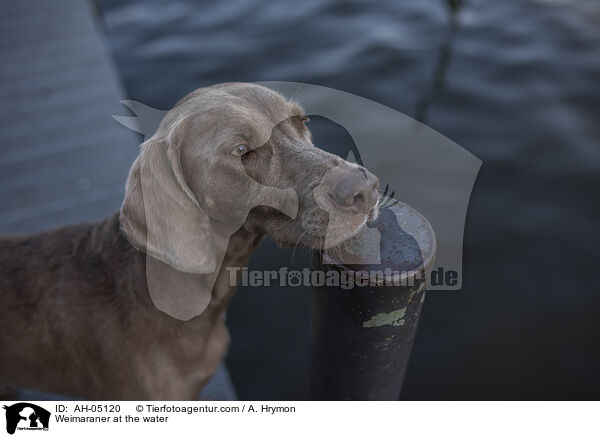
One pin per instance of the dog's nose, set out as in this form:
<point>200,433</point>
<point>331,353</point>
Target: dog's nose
<point>356,190</point>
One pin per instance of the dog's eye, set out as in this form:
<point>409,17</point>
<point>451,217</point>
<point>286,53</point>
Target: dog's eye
<point>240,150</point>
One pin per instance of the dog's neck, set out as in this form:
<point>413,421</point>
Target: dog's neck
<point>237,245</point>
<point>241,245</point>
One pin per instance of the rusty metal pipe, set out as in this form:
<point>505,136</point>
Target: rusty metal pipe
<point>362,336</point>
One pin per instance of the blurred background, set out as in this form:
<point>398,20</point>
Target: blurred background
<point>517,83</point>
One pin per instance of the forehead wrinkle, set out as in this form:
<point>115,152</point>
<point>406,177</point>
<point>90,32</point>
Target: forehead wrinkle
<point>266,101</point>
<point>255,123</point>
<point>220,125</point>
<point>254,113</point>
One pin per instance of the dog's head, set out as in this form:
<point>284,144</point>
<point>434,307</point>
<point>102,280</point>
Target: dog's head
<point>236,155</point>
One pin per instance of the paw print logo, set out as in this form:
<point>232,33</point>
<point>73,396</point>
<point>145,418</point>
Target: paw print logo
<point>294,278</point>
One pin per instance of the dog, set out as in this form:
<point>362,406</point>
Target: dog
<point>133,307</point>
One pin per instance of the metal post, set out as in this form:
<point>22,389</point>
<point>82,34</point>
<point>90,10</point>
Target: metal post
<point>362,336</point>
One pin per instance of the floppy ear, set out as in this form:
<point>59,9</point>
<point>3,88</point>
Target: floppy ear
<point>160,214</point>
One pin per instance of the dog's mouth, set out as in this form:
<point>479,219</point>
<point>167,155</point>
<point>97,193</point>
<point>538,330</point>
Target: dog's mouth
<point>348,224</point>
<point>329,225</point>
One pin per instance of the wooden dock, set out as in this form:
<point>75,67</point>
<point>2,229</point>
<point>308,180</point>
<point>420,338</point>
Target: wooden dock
<point>63,159</point>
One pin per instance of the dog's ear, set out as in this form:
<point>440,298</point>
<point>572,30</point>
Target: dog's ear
<point>160,214</point>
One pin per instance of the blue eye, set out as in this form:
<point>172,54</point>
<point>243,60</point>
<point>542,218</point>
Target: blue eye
<point>240,150</point>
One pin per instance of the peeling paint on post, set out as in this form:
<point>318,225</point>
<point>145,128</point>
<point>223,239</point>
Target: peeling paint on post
<point>362,337</point>
<point>395,318</point>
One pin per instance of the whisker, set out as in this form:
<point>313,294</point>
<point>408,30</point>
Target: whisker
<point>387,200</point>
<point>296,245</point>
<point>386,190</point>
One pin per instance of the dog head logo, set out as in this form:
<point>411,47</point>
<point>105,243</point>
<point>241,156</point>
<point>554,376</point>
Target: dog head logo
<point>180,228</point>
<point>26,416</point>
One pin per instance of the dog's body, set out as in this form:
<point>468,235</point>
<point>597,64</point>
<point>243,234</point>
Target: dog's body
<point>77,318</point>
<point>133,307</point>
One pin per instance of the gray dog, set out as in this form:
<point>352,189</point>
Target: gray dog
<point>133,307</point>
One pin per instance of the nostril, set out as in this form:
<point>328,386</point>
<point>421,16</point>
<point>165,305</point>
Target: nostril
<point>341,199</point>
<point>356,191</point>
<point>359,200</point>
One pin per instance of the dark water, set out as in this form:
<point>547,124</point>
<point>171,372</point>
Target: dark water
<point>515,82</point>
